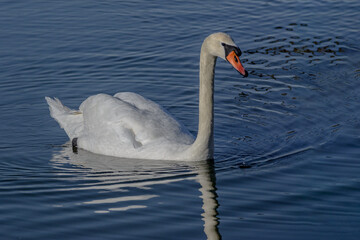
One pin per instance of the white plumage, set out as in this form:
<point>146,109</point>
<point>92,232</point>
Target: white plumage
<point>124,125</point>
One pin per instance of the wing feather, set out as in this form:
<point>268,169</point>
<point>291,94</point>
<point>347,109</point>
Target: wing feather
<point>130,120</point>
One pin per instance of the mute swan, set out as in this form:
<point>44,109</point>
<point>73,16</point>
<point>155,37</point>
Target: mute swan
<point>131,126</point>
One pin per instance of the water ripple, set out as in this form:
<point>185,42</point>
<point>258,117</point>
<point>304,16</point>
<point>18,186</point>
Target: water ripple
<point>287,137</point>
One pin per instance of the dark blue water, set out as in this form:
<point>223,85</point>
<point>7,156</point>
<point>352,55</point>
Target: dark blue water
<point>287,158</point>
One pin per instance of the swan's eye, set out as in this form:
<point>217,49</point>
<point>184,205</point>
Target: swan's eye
<point>229,49</point>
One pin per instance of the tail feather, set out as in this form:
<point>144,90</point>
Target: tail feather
<point>70,120</point>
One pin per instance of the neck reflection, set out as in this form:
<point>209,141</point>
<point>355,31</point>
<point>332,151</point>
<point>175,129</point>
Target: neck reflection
<point>207,179</point>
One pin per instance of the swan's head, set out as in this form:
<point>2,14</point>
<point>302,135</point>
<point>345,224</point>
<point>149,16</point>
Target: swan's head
<point>222,45</point>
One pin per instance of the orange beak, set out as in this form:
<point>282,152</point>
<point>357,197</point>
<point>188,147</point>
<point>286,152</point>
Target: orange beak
<point>234,60</point>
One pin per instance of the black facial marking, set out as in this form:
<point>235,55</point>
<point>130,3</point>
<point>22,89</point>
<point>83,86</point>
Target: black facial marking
<point>229,49</point>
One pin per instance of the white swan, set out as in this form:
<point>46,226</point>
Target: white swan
<point>128,125</point>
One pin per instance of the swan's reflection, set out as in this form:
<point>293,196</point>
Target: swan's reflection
<point>207,180</point>
<point>114,174</point>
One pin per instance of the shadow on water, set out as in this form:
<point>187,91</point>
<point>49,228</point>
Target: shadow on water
<point>114,174</point>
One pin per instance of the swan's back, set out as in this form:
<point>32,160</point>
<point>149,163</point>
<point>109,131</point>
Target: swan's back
<point>127,124</point>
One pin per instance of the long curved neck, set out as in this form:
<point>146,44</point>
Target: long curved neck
<point>204,143</point>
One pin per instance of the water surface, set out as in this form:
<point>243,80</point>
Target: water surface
<point>287,137</point>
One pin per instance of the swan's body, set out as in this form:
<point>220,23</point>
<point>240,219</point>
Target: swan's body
<point>128,125</point>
